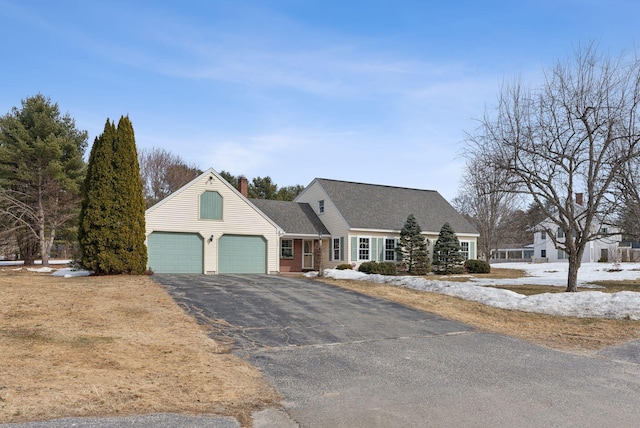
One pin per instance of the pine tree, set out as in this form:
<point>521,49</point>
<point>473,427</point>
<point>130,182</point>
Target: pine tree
<point>112,224</point>
<point>411,250</point>
<point>447,255</point>
<point>41,174</point>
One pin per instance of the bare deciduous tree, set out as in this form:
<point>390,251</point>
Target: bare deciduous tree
<point>487,198</point>
<point>570,135</point>
<point>628,190</point>
<point>163,173</point>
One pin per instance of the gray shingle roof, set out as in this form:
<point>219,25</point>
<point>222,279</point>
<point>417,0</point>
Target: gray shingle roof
<point>292,217</point>
<point>372,206</point>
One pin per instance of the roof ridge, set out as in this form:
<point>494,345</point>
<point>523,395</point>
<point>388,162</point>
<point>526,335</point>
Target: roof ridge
<point>377,185</point>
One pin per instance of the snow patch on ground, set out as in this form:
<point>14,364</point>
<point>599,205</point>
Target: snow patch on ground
<point>596,304</point>
<point>70,273</point>
<point>53,268</point>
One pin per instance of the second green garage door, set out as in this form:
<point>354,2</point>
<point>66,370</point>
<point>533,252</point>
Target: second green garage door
<point>242,254</point>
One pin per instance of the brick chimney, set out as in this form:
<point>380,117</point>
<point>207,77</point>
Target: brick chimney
<point>243,186</point>
<point>580,199</point>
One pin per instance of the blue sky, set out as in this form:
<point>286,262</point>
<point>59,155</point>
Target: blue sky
<point>370,91</point>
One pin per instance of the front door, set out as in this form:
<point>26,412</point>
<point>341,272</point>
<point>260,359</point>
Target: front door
<point>307,255</point>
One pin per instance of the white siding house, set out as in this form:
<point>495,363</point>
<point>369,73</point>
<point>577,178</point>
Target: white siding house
<point>207,226</point>
<point>599,249</point>
<point>365,220</point>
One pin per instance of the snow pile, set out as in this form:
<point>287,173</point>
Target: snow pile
<point>70,273</point>
<point>43,269</point>
<point>621,305</point>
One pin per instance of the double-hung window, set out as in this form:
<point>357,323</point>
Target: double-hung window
<point>336,249</point>
<point>464,249</point>
<point>364,245</point>
<point>286,249</point>
<point>321,206</point>
<point>390,250</point>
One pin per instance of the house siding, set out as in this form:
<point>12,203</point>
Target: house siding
<point>592,252</point>
<point>338,227</point>
<point>294,264</point>
<point>180,212</point>
<point>331,218</point>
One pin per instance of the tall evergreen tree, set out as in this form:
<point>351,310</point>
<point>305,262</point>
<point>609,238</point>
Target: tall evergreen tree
<point>263,188</point>
<point>411,250</point>
<point>447,255</point>
<point>41,173</point>
<point>232,179</point>
<point>112,224</point>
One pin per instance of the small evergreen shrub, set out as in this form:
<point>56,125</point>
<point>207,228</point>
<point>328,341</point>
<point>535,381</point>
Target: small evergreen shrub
<point>447,255</point>
<point>382,268</point>
<point>387,268</point>
<point>367,267</point>
<point>343,266</point>
<point>411,249</point>
<point>477,266</point>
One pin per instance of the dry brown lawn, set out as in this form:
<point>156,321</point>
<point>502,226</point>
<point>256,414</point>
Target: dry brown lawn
<point>582,335</point>
<point>118,345</point>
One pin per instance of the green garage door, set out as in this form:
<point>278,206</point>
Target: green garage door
<point>242,254</point>
<point>175,252</point>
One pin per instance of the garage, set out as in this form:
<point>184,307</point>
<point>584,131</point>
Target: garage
<point>171,252</point>
<point>242,254</point>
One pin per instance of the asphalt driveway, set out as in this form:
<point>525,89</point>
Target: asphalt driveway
<point>341,359</point>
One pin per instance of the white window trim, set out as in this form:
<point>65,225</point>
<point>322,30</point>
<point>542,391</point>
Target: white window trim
<point>368,238</point>
<point>395,244</point>
<point>292,249</point>
<point>467,253</point>
<point>321,206</point>
<point>335,248</point>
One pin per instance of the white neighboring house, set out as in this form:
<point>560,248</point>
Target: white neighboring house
<point>599,249</point>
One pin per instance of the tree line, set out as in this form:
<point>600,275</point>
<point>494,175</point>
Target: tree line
<point>45,183</point>
<point>164,172</point>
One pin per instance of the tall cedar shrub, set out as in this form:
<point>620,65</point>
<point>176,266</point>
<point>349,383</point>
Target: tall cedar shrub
<point>411,250</point>
<point>447,255</point>
<point>112,224</point>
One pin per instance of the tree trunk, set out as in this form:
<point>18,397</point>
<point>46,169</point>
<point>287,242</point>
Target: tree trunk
<point>28,248</point>
<point>572,279</point>
<point>45,246</point>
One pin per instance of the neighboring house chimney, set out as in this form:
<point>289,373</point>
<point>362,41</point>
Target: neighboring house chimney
<point>580,199</point>
<point>243,186</point>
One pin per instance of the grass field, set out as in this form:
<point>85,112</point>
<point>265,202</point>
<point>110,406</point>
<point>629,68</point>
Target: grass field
<point>118,345</point>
